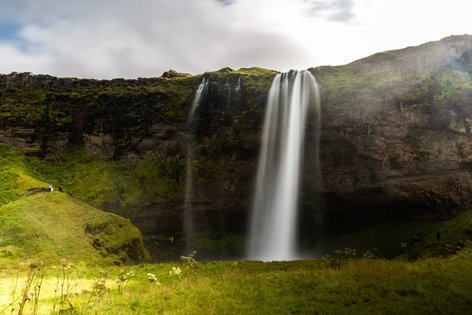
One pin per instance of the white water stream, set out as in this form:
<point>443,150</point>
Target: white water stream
<point>188,222</point>
<point>273,221</point>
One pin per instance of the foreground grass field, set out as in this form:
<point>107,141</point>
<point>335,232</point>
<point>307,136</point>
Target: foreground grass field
<point>348,286</point>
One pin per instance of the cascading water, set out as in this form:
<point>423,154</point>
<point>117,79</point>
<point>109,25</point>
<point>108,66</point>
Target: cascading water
<point>238,86</point>
<point>228,92</point>
<point>197,98</point>
<point>274,213</point>
<point>188,224</point>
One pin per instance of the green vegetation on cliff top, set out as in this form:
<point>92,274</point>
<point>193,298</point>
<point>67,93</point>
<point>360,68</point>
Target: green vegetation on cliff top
<point>125,103</point>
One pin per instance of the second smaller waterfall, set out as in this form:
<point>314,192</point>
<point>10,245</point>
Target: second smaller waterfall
<point>238,86</point>
<point>188,222</point>
<point>202,87</point>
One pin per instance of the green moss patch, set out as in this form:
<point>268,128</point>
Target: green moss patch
<point>51,226</point>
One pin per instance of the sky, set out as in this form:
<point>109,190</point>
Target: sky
<point>107,39</point>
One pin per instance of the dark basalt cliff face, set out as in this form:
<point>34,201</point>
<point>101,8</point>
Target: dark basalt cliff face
<point>396,131</point>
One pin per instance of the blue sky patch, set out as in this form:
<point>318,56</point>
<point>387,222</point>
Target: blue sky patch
<point>8,31</point>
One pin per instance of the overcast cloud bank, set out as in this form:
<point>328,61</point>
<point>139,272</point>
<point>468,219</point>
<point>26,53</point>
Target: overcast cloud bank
<point>143,38</point>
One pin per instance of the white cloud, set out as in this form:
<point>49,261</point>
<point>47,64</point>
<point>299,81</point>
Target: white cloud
<point>335,10</point>
<point>14,59</point>
<point>132,38</point>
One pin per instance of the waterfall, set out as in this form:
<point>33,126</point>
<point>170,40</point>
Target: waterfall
<point>188,224</point>
<point>197,98</point>
<point>273,221</point>
<point>228,92</point>
<point>238,86</point>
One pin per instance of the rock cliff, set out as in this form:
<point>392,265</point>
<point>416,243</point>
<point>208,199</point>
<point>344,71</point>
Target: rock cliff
<point>396,131</point>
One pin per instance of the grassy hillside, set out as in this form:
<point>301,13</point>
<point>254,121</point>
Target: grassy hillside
<point>114,185</point>
<point>354,286</point>
<point>14,179</point>
<point>52,226</point>
<point>49,226</point>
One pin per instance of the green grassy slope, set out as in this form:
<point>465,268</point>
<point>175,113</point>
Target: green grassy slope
<point>51,226</point>
<point>37,224</point>
<point>114,185</point>
<point>14,179</point>
<point>410,238</point>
